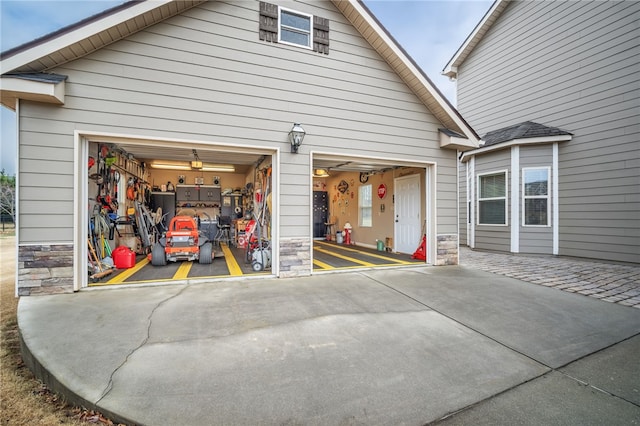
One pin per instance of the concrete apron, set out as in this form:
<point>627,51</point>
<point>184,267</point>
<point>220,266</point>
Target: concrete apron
<point>404,346</point>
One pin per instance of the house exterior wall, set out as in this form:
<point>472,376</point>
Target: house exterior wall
<point>493,237</point>
<point>572,65</point>
<point>530,239</point>
<point>205,75</point>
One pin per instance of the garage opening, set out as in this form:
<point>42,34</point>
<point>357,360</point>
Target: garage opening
<point>369,213</point>
<point>161,212</point>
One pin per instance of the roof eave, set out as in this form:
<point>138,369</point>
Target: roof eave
<point>13,88</point>
<point>450,140</point>
<point>37,56</point>
<point>496,9</point>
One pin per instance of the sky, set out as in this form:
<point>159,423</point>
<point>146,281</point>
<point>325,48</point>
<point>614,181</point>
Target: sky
<point>430,31</point>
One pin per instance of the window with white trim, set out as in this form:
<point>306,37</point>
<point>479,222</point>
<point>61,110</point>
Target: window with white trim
<point>281,25</point>
<point>492,198</point>
<point>535,197</point>
<point>365,206</point>
<point>295,28</point>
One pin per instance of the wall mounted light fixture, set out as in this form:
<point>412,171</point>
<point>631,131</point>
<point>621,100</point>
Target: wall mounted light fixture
<point>296,135</point>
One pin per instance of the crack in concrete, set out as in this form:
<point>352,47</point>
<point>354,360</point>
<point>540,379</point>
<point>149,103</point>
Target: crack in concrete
<point>109,386</point>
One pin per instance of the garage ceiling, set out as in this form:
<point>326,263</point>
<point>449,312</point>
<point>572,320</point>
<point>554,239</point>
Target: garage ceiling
<point>242,158</point>
<point>354,164</point>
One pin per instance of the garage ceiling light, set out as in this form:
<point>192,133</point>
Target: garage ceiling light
<point>186,166</point>
<point>218,168</point>
<point>170,165</point>
<point>320,173</point>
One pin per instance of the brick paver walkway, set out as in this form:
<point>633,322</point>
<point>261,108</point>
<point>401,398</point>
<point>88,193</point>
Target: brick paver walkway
<point>617,283</point>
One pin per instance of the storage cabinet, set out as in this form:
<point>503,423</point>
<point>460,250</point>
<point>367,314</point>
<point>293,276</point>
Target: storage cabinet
<point>207,194</point>
<point>210,194</point>
<point>186,193</point>
<point>320,213</point>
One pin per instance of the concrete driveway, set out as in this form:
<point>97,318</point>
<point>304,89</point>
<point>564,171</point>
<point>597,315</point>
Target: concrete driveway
<point>398,346</point>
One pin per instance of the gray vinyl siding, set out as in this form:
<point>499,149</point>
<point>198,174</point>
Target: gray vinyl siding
<point>205,76</point>
<point>573,65</point>
<point>493,237</point>
<point>534,239</point>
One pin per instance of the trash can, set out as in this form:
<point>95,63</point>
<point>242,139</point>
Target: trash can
<point>339,237</point>
<point>380,245</point>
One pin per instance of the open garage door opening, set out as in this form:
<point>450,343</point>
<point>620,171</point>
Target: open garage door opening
<point>162,212</point>
<point>369,213</point>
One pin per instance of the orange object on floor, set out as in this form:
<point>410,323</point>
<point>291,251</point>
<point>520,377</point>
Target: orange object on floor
<point>421,252</point>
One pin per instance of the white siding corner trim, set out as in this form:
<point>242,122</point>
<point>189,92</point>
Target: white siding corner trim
<point>555,215</point>
<point>471,205</point>
<point>515,199</point>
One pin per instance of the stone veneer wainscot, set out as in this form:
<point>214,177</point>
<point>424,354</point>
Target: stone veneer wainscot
<point>45,269</point>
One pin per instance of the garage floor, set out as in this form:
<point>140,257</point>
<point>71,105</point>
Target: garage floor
<point>230,262</point>
<point>227,262</point>
<point>331,256</point>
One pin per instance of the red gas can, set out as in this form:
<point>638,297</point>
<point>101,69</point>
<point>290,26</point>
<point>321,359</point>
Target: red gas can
<point>123,257</point>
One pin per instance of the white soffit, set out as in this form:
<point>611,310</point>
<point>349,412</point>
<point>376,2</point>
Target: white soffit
<point>451,69</point>
<point>75,42</point>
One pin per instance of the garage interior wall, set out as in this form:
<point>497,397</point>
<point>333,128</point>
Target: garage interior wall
<point>344,207</point>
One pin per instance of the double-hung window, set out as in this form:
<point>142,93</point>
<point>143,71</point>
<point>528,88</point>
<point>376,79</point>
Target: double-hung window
<point>295,28</point>
<point>492,198</point>
<point>535,196</point>
<point>365,206</point>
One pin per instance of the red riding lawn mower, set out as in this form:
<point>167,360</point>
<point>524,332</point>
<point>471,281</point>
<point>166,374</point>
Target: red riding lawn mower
<point>182,241</point>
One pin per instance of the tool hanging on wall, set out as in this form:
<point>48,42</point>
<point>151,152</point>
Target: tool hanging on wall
<point>105,178</point>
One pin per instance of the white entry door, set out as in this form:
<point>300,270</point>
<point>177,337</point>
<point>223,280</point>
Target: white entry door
<point>408,229</point>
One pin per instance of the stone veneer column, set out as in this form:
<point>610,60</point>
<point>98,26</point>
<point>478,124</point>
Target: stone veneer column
<point>45,269</point>
<point>447,250</point>
<point>295,257</point>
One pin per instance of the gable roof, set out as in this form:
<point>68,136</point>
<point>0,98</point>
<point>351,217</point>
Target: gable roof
<point>496,9</point>
<point>525,133</point>
<point>114,24</point>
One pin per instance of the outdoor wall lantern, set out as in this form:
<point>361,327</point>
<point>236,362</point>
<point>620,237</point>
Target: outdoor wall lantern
<point>296,135</point>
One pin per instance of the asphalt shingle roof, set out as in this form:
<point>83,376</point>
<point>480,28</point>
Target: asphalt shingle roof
<point>42,77</point>
<point>525,130</point>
